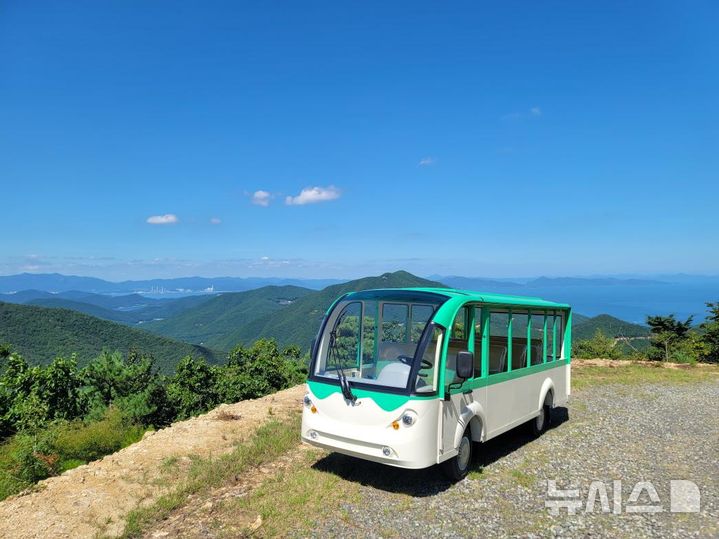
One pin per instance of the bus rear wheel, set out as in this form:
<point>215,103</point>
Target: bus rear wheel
<point>540,423</point>
<point>457,467</point>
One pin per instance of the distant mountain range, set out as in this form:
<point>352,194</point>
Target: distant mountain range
<point>129,309</point>
<point>289,314</point>
<point>299,322</point>
<point>42,324</point>
<point>629,298</point>
<point>55,282</point>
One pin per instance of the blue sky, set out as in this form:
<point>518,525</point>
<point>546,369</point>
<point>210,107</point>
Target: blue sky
<point>473,138</point>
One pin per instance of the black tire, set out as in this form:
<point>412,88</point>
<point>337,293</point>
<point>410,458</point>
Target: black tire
<point>457,467</point>
<point>541,423</point>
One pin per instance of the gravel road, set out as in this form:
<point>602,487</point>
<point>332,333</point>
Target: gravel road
<point>653,433</point>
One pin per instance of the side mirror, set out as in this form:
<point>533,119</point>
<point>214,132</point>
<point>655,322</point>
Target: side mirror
<point>465,364</point>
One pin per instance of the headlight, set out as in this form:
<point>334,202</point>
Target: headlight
<point>307,400</point>
<point>409,418</point>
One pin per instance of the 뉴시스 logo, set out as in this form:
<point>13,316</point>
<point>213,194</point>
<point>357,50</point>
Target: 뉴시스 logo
<point>684,497</point>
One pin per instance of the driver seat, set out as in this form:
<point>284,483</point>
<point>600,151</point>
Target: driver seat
<point>394,375</point>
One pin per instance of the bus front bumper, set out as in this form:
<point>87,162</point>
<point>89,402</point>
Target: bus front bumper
<point>412,447</point>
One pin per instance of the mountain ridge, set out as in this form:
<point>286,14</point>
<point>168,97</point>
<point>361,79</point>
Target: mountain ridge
<point>40,334</point>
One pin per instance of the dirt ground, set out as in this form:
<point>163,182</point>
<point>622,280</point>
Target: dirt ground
<point>95,497</point>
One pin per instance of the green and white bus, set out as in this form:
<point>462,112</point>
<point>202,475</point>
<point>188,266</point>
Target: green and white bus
<point>410,377</point>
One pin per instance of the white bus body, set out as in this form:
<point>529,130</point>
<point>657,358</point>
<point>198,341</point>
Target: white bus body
<point>389,379</point>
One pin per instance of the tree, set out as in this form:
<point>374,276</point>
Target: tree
<point>258,370</point>
<point>33,396</point>
<point>132,384</point>
<point>599,346</point>
<point>192,390</point>
<point>710,335</point>
<point>667,332</point>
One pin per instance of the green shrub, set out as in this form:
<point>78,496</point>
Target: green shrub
<point>599,346</point>
<point>89,441</point>
<point>192,390</point>
<point>710,334</point>
<point>259,370</point>
<point>29,457</point>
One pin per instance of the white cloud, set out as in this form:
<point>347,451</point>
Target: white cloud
<point>167,219</point>
<point>312,195</point>
<point>535,111</point>
<point>261,198</point>
<point>427,161</point>
<point>215,221</point>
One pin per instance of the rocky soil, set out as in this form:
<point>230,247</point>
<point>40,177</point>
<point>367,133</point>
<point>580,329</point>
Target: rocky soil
<point>93,499</point>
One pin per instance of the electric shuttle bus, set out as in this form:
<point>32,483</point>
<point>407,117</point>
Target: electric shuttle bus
<point>410,377</point>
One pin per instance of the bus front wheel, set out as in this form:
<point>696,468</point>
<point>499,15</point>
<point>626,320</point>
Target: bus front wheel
<point>457,467</point>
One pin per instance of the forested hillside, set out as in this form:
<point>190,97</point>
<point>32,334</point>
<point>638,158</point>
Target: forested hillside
<point>298,323</point>
<point>41,334</point>
<point>215,321</point>
<point>585,328</point>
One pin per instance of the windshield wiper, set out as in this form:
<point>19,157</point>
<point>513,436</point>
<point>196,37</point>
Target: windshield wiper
<point>341,376</point>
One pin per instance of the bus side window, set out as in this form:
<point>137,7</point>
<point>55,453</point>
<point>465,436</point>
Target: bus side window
<point>477,342</point>
<point>427,376</point>
<point>560,334</point>
<point>537,331</point>
<point>519,341</point>
<point>550,336</point>
<point>498,324</point>
<point>457,342</point>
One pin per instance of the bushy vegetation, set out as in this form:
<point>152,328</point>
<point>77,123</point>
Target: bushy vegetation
<point>56,417</point>
<point>600,345</point>
<point>669,339</point>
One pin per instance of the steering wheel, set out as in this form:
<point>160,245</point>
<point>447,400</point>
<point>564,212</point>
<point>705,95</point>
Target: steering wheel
<point>407,360</point>
<point>424,364</point>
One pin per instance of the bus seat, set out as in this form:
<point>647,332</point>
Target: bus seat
<point>497,358</point>
<point>394,375</point>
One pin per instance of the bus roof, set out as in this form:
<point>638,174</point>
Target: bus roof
<point>481,297</point>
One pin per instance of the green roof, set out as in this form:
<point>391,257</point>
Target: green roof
<point>499,299</point>
<point>457,298</point>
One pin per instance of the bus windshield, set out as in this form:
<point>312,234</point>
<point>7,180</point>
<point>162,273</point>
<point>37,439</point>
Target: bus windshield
<point>379,341</point>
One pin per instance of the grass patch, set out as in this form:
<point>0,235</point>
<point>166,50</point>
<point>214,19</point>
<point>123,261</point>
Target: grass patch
<point>269,442</point>
<point>308,495</point>
<point>633,374</point>
<point>522,478</point>
<point>29,457</point>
